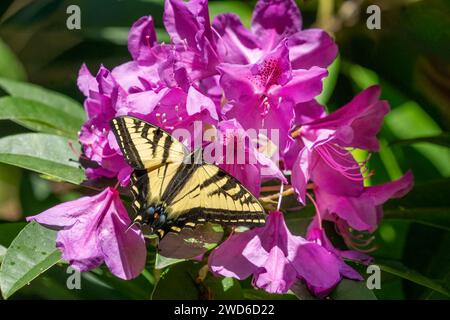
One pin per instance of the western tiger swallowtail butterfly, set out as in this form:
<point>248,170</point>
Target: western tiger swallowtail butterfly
<point>172,190</point>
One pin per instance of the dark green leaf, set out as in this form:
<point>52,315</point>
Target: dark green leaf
<point>33,92</point>
<point>30,254</point>
<point>39,117</point>
<point>220,288</point>
<point>243,10</point>
<point>162,262</point>
<point>329,82</point>
<point>398,269</point>
<point>10,230</point>
<point>427,203</point>
<point>42,153</point>
<point>10,66</point>
<point>257,294</point>
<point>442,139</point>
<point>352,290</point>
<point>301,291</point>
<point>178,282</point>
<point>2,253</point>
<point>436,217</point>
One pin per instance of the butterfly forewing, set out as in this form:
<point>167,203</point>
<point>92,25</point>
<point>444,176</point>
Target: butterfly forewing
<point>146,146</point>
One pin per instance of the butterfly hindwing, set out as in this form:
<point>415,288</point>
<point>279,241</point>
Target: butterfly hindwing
<point>210,194</point>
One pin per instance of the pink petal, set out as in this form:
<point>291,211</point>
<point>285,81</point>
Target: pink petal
<point>275,19</point>
<point>227,259</point>
<point>317,266</point>
<point>185,20</point>
<point>357,123</point>
<point>311,47</point>
<point>124,251</point>
<point>308,111</point>
<point>300,174</point>
<point>336,182</point>
<point>359,212</point>
<point>73,212</point>
<point>237,43</point>
<point>277,275</point>
<point>304,86</point>
<point>394,189</point>
<point>236,82</point>
<point>196,102</point>
<point>141,38</point>
<point>78,244</point>
<point>86,81</point>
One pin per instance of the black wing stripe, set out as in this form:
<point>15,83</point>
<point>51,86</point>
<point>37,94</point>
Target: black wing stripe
<point>139,189</point>
<point>167,143</point>
<point>179,180</point>
<point>123,137</point>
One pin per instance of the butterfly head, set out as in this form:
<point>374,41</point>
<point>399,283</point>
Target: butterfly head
<point>153,216</point>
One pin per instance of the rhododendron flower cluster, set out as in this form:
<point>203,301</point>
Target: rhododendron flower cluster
<point>231,78</point>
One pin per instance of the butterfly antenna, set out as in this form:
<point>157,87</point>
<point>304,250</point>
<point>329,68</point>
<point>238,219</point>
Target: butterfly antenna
<point>131,226</point>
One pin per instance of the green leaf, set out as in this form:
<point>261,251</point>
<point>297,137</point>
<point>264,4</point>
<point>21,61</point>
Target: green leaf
<point>33,92</point>
<point>43,153</point>
<point>2,253</point>
<point>9,231</point>
<point>39,117</point>
<point>406,114</point>
<point>162,262</point>
<point>178,282</point>
<point>237,7</point>
<point>223,288</point>
<point>330,81</point>
<point>301,291</point>
<point>10,66</point>
<point>398,269</point>
<point>30,254</point>
<point>428,203</point>
<point>435,217</point>
<point>411,115</point>
<point>257,294</point>
<point>442,139</point>
<point>352,290</point>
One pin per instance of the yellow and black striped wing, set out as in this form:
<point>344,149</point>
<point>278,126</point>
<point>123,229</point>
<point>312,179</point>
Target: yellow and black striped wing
<point>146,146</point>
<point>147,187</point>
<point>209,194</point>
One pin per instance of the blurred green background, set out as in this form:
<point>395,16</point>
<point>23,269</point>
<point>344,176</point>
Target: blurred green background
<point>409,57</point>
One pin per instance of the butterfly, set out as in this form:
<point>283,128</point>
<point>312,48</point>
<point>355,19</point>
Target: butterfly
<point>174,189</point>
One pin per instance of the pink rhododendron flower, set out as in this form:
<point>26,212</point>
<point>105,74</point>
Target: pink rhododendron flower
<point>364,211</point>
<point>275,258</point>
<point>272,22</point>
<point>102,95</point>
<point>263,95</point>
<point>324,157</point>
<point>93,230</point>
<point>318,235</point>
<point>249,166</point>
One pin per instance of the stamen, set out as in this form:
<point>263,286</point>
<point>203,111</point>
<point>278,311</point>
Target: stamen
<point>324,152</point>
<point>354,241</point>
<point>319,217</point>
<point>147,39</point>
<point>264,106</point>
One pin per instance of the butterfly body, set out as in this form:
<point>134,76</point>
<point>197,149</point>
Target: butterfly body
<point>174,189</point>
